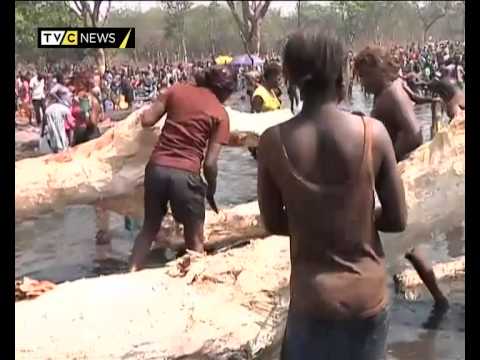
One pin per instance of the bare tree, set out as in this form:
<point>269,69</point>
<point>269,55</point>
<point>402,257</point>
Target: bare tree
<point>299,12</point>
<point>430,12</point>
<point>212,11</point>
<point>249,24</point>
<point>176,11</point>
<point>92,17</point>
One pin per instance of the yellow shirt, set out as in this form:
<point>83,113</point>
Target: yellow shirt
<point>270,100</point>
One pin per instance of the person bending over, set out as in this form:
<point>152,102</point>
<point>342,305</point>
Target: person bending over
<point>196,123</point>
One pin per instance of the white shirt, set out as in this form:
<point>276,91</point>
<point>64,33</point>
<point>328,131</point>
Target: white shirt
<point>38,87</point>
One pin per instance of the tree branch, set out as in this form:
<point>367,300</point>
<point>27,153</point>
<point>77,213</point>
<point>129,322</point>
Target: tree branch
<point>434,20</point>
<point>77,7</point>
<point>96,12</point>
<point>107,13</point>
<point>264,9</point>
<point>241,25</point>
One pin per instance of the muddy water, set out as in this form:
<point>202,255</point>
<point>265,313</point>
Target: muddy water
<point>61,247</point>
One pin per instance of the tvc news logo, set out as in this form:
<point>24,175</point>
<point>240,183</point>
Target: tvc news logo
<point>114,38</point>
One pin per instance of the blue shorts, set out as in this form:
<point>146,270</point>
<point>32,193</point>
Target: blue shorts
<point>307,338</point>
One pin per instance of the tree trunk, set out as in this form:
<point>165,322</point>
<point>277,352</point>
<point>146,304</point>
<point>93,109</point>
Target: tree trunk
<point>249,284</point>
<point>254,43</point>
<point>299,13</point>
<point>135,56</point>
<point>425,35</point>
<point>100,61</point>
<point>113,165</point>
<point>184,48</point>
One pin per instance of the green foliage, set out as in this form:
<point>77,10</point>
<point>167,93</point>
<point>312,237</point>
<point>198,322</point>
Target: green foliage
<point>29,15</point>
<point>210,28</point>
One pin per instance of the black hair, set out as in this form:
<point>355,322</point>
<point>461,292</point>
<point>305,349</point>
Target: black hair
<point>271,70</point>
<point>220,80</point>
<point>60,79</point>
<point>314,60</point>
<point>378,57</point>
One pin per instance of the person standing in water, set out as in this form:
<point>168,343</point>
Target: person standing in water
<point>86,109</point>
<point>196,124</point>
<point>393,106</point>
<point>378,71</point>
<point>264,97</point>
<point>316,178</point>
<point>37,86</point>
<point>452,96</point>
<point>294,97</point>
<point>57,116</point>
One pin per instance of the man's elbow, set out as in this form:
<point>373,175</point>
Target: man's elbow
<point>416,140</point>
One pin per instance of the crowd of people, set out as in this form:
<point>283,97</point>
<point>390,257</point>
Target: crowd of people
<point>436,69</point>
<point>318,173</point>
<point>327,178</point>
<point>119,88</point>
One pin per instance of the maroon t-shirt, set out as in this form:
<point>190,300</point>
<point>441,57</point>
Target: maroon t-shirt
<point>194,116</point>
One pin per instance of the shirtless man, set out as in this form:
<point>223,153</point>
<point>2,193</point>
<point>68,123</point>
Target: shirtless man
<point>393,106</point>
<point>452,96</point>
<point>316,178</point>
<point>378,72</point>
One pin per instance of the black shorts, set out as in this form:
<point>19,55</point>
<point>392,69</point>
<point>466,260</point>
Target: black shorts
<point>184,190</point>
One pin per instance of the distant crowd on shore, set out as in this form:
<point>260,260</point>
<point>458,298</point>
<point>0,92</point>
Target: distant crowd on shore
<point>121,86</point>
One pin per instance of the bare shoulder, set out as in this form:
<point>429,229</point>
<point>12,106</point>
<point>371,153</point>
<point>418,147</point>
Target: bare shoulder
<point>267,136</point>
<point>266,144</point>
<point>379,132</point>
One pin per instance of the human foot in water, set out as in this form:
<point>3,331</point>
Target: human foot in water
<point>425,271</point>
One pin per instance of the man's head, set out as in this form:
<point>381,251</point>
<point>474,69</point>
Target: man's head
<point>81,81</point>
<point>272,75</point>
<point>314,60</point>
<point>375,67</point>
<point>220,80</point>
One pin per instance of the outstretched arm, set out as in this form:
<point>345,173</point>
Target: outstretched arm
<point>417,99</point>
<point>152,115</point>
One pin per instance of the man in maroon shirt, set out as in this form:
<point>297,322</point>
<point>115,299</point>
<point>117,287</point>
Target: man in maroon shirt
<point>196,123</point>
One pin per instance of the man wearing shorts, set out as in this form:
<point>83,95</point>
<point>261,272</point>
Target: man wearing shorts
<point>196,124</point>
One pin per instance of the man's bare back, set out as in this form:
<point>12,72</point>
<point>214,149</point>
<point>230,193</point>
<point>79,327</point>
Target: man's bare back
<point>395,109</point>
